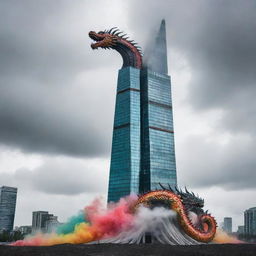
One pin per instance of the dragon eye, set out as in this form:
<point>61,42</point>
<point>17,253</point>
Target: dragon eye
<point>101,32</point>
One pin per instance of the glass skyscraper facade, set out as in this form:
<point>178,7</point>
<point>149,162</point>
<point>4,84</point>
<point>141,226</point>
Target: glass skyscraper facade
<point>125,156</point>
<point>250,221</point>
<point>227,225</point>
<point>143,153</point>
<point>8,197</point>
<point>158,154</point>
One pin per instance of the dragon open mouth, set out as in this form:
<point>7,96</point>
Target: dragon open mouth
<point>93,35</point>
<point>102,40</point>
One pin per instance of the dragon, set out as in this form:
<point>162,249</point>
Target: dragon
<point>185,204</point>
<point>117,40</point>
<point>196,223</point>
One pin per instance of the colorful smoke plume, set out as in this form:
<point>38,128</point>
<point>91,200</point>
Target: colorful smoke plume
<point>117,224</point>
<point>70,225</point>
<point>94,224</point>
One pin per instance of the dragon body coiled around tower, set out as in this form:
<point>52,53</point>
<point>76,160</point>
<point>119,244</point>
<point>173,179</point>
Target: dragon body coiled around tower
<point>202,227</point>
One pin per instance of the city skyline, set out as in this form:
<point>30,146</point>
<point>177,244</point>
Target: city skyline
<point>43,221</point>
<point>57,95</point>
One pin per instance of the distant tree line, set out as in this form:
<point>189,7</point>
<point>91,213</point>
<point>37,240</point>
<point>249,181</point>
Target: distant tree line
<point>10,236</point>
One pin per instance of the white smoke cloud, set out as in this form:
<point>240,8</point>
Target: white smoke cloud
<point>160,223</point>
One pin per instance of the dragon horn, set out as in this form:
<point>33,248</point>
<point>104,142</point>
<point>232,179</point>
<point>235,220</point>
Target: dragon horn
<point>111,30</point>
<point>179,191</point>
<point>170,188</point>
<point>162,186</point>
<point>186,189</point>
<point>114,32</point>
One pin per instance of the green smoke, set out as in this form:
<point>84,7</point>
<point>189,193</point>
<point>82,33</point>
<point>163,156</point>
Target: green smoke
<point>70,225</point>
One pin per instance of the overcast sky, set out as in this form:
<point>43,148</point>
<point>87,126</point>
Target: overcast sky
<point>57,99</point>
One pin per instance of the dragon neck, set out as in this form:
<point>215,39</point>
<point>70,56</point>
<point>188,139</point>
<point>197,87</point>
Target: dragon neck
<point>130,54</point>
<point>206,221</point>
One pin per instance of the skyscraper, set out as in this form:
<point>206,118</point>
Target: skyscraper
<point>143,151</point>
<point>42,221</point>
<point>158,163</point>
<point>227,226</point>
<point>126,146</point>
<point>250,221</point>
<point>39,219</point>
<point>8,196</point>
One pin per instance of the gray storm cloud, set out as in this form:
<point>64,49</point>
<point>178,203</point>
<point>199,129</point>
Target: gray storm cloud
<point>63,176</point>
<point>50,101</point>
<point>217,40</point>
<point>57,96</point>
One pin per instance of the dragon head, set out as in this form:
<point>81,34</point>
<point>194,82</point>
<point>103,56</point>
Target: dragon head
<point>191,202</point>
<point>103,39</point>
<point>117,40</point>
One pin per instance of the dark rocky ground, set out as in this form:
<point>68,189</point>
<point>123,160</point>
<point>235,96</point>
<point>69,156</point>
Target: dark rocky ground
<point>132,250</point>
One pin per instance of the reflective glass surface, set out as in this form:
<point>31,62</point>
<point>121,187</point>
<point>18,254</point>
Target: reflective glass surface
<point>158,163</point>
<point>7,207</point>
<point>125,155</point>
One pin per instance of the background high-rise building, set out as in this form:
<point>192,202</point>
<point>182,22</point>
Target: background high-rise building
<point>143,151</point>
<point>240,230</point>
<point>39,219</point>
<point>42,221</point>
<point>51,223</point>
<point>227,225</point>
<point>250,221</point>
<point>8,196</point>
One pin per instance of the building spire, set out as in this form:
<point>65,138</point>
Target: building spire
<point>157,56</point>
